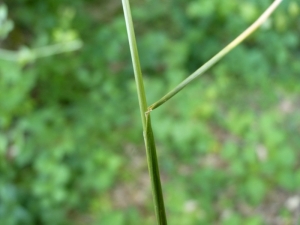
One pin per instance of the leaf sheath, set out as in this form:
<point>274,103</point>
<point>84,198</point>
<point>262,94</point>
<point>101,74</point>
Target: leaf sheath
<point>154,173</point>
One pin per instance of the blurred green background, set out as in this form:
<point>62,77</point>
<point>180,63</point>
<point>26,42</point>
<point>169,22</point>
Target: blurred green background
<point>71,145</point>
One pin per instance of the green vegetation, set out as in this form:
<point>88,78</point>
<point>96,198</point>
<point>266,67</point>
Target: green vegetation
<point>71,148</point>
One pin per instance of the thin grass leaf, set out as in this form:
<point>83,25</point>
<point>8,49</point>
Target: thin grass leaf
<point>218,56</point>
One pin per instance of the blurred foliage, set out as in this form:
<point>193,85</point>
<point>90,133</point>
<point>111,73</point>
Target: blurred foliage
<point>71,147</point>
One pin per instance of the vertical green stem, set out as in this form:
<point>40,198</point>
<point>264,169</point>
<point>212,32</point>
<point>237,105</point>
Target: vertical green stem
<point>148,134</point>
<point>135,61</point>
<point>154,173</point>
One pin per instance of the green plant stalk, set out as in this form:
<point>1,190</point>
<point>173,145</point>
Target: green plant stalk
<point>135,61</point>
<point>57,49</point>
<point>218,56</point>
<point>41,51</point>
<point>154,173</point>
<point>147,128</point>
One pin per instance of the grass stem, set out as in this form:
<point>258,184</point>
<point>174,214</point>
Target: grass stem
<point>148,133</point>
<point>135,61</point>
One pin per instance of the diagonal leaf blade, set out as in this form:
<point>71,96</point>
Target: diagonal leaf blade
<point>218,56</point>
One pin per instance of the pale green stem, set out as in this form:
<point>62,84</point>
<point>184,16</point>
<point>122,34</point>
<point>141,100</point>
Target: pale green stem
<point>57,49</point>
<point>135,62</point>
<point>218,56</point>
<point>41,51</point>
